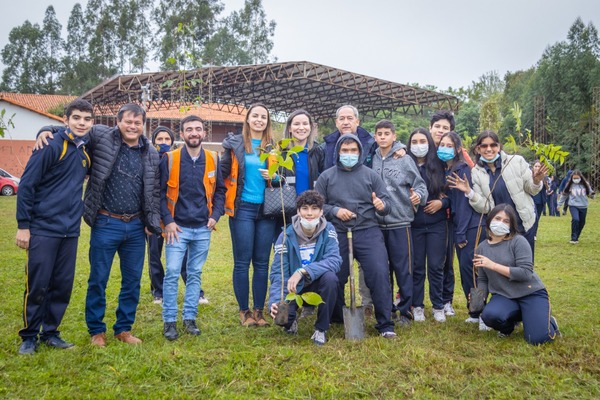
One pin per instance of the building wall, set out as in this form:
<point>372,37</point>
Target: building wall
<point>27,123</point>
<point>14,155</point>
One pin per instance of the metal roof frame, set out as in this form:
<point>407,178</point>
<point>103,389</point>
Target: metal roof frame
<point>283,87</point>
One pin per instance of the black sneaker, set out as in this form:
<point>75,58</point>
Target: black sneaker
<point>57,342</point>
<point>170,331</point>
<point>28,347</point>
<point>403,321</point>
<point>292,329</point>
<point>190,327</point>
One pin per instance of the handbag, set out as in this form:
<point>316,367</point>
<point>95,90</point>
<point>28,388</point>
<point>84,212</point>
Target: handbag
<point>477,300</point>
<point>272,203</point>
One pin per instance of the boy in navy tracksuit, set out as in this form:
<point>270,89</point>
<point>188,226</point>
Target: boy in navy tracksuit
<point>49,209</point>
<point>407,191</point>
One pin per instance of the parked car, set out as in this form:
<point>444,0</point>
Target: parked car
<point>5,174</point>
<point>8,187</point>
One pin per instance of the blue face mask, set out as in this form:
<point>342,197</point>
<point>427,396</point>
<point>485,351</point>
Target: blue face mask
<point>349,160</point>
<point>162,149</point>
<point>445,153</point>
<point>490,161</point>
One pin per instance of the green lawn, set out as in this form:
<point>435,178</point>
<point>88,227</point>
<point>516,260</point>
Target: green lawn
<point>428,360</point>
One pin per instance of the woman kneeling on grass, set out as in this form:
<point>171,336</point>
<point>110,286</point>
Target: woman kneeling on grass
<point>506,271</point>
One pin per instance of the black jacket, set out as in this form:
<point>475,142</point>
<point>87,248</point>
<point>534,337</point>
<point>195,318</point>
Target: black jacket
<point>316,165</point>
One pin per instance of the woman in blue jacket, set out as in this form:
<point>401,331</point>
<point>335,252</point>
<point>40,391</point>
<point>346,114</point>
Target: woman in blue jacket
<point>467,222</point>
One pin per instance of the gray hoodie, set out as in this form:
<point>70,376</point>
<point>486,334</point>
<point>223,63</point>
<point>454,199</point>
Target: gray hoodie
<point>400,175</point>
<point>352,189</point>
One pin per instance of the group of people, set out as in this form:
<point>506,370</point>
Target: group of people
<point>406,209</point>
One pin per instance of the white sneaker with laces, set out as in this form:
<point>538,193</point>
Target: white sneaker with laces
<point>472,320</point>
<point>439,315</point>
<point>483,327</point>
<point>449,310</point>
<point>318,337</point>
<point>389,335</point>
<point>202,300</point>
<point>418,314</point>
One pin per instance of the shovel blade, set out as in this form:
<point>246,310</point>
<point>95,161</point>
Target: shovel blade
<point>354,323</point>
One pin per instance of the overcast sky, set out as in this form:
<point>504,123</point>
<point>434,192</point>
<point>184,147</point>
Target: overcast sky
<point>437,42</point>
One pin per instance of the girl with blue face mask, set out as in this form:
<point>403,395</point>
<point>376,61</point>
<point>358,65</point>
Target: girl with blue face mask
<point>502,178</point>
<point>465,220</point>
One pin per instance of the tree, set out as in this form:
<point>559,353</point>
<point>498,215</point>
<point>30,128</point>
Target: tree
<point>245,37</point>
<point>53,50</point>
<point>24,60</point>
<point>197,18</point>
<point>101,29</point>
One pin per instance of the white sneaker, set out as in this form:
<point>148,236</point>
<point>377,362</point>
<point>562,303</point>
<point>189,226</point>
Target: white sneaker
<point>439,315</point>
<point>157,300</point>
<point>389,335</point>
<point>449,310</point>
<point>472,320</point>
<point>483,327</point>
<point>418,314</point>
<point>318,337</point>
<point>202,300</point>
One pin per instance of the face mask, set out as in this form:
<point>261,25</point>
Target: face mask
<point>576,180</point>
<point>419,150</point>
<point>490,161</point>
<point>445,153</point>
<point>499,228</point>
<point>309,225</point>
<point>349,160</point>
<point>163,148</point>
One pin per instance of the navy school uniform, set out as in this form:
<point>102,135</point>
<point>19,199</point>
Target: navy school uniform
<point>50,205</point>
<point>430,241</point>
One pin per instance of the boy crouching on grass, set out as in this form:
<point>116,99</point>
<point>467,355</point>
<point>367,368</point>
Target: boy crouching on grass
<point>311,260</point>
<point>407,190</point>
<point>49,209</point>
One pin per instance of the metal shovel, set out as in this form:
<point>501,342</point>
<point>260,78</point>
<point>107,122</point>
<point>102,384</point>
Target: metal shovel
<point>354,317</point>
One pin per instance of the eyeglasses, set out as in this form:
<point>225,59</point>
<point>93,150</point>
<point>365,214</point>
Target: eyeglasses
<point>485,146</point>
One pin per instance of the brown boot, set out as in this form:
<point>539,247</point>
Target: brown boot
<point>127,337</point>
<point>246,318</point>
<point>260,319</point>
<point>99,340</point>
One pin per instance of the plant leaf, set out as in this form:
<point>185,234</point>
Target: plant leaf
<point>312,298</point>
<point>291,297</point>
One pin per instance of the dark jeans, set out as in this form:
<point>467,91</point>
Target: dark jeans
<point>110,236</point>
<point>578,216</point>
<point>448,280</point>
<point>251,238</point>
<point>552,206</point>
<point>465,262</point>
<point>50,273</point>
<point>501,313</point>
<point>155,266</point>
<point>398,243</point>
<point>430,244</point>
<point>327,287</point>
<point>369,250</point>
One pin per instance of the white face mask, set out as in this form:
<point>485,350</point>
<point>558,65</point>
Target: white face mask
<point>419,150</point>
<point>309,224</point>
<point>499,228</point>
<point>576,180</point>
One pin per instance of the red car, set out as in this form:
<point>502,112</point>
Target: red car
<point>8,187</point>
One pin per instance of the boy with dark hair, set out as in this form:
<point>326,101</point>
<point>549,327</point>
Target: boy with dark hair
<point>311,260</point>
<point>407,190</point>
<point>49,209</point>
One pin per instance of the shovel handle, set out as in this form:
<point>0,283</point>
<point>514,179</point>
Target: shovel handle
<point>351,268</point>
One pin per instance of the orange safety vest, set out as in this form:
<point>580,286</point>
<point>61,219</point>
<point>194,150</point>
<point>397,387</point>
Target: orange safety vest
<point>209,179</point>
<point>232,180</point>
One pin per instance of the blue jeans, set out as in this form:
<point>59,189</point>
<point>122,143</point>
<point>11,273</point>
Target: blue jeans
<point>501,313</point>
<point>110,236</point>
<point>251,238</point>
<point>196,242</point>
<point>578,216</point>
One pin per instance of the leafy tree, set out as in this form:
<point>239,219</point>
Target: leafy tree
<point>101,29</point>
<point>53,49</point>
<point>24,60</point>
<point>245,37</point>
<point>197,16</point>
<point>489,114</point>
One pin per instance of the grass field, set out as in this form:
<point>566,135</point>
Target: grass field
<point>428,360</point>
